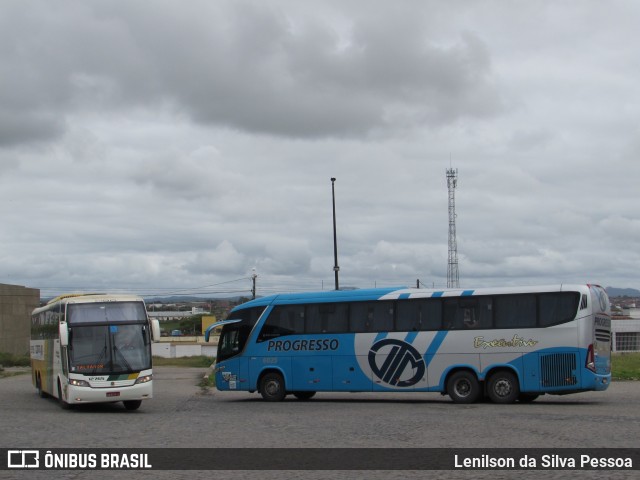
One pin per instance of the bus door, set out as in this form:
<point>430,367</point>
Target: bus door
<point>232,372</point>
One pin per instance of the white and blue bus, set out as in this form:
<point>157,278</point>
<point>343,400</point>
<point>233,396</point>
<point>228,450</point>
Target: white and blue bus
<point>91,348</point>
<point>504,343</point>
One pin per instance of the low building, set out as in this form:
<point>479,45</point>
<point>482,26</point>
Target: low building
<point>625,330</point>
<point>16,305</point>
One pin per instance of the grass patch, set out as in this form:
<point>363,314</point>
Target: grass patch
<point>625,366</point>
<point>5,373</point>
<point>10,360</point>
<point>207,382</point>
<point>194,362</point>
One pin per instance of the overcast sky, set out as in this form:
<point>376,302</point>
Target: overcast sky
<point>165,146</point>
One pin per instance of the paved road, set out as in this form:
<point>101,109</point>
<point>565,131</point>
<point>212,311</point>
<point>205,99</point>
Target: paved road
<point>183,415</point>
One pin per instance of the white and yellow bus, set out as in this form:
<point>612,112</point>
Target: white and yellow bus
<point>91,348</point>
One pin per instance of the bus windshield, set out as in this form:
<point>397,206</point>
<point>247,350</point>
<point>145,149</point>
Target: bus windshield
<point>104,349</point>
<point>234,335</point>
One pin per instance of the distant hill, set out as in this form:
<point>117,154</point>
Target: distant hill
<point>174,299</point>
<point>622,292</point>
<point>189,299</point>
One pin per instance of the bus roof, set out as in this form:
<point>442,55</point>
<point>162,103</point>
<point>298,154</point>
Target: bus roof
<point>322,296</point>
<point>89,298</point>
<point>394,293</point>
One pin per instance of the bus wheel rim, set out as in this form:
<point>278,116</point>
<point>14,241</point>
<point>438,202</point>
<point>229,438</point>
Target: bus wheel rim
<point>463,388</point>
<point>502,388</point>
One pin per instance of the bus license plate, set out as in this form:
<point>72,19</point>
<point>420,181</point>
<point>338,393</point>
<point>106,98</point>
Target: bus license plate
<point>113,394</point>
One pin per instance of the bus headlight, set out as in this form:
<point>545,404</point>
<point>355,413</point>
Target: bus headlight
<point>78,383</point>
<point>144,379</point>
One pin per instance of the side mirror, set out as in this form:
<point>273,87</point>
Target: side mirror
<point>64,334</point>
<point>155,329</point>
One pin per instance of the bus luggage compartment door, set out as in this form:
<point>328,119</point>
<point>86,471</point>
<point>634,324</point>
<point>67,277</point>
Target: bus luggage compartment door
<point>311,373</point>
<point>348,376</point>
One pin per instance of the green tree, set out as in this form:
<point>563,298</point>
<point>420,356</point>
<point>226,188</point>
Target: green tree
<point>191,325</point>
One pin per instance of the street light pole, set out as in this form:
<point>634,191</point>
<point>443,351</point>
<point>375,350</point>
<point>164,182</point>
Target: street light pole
<point>336,268</point>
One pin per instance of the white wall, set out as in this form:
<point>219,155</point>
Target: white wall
<point>175,350</point>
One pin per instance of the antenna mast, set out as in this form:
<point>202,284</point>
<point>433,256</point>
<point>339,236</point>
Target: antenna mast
<point>453,278</point>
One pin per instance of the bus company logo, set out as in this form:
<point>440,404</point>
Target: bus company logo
<point>23,459</point>
<point>602,299</point>
<point>402,365</point>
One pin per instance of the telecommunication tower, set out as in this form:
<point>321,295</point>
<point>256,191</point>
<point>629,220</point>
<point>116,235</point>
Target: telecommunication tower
<point>453,278</point>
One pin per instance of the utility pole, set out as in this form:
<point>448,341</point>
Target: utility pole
<point>253,287</point>
<point>453,278</point>
<point>336,268</point>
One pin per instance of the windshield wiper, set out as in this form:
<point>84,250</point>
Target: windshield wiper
<point>102,354</point>
<point>124,359</point>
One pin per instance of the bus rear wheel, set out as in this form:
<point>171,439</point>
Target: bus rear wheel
<point>41,393</point>
<point>272,387</point>
<point>463,387</point>
<point>527,397</point>
<point>503,387</point>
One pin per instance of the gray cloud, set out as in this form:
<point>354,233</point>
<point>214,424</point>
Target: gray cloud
<point>240,65</point>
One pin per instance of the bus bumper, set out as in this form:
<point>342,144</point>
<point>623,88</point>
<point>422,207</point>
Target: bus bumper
<point>601,382</point>
<point>79,395</point>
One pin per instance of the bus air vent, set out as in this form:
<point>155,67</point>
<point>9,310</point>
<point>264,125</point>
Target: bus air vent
<point>603,335</point>
<point>558,369</point>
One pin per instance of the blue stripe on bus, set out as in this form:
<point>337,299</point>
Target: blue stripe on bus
<point>437,294</point>
<point>467,293</point>
<point>380,336</point>
<point>435,345</point>
<point>411,336</point>
<point>404,296</point>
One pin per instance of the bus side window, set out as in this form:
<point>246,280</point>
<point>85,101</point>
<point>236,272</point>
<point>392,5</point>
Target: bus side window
<point>409,316</point>
<point>359,317</point>
<point>371,316</point>
<point>451,319</point>
<point>482,313</point>
<point>317,317</point>
<point>515,311</point>
<point>556,308</point>
<point>327,317</point>
<point>419,314</point>
<point>338,321</point>
<point>468,313</point>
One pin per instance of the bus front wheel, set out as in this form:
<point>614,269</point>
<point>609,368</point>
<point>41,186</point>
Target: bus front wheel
<point>463,387</point>
<point>61,400</point>
<point>503,387</point>
<point>272,387</point>
<point>132,404</point>
<point>304,395</point>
